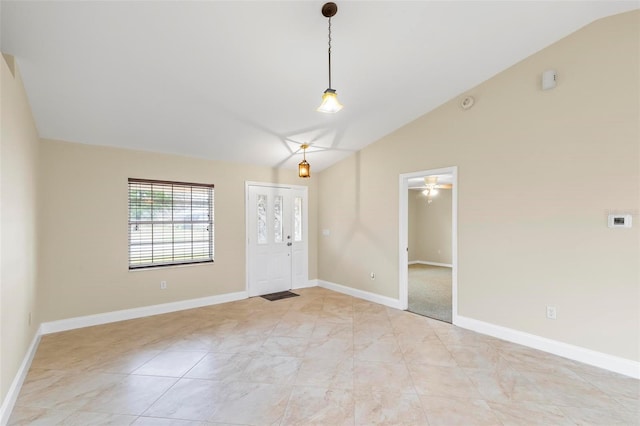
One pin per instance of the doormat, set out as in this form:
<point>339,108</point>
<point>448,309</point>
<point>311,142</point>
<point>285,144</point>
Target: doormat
<point>279,295</point>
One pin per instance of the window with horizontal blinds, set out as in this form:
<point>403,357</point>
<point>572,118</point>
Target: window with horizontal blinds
<point>170,223</point>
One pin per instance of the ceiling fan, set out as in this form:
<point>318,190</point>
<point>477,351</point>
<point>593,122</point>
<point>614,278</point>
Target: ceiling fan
<point>431,184</point>
<point>431,187</point>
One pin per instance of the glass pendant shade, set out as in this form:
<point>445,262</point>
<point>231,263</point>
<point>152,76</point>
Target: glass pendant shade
<point>304,169</point>
<point>330,103</point>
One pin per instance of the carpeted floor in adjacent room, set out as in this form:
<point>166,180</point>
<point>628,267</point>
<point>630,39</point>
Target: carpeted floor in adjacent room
<point>430,291</point>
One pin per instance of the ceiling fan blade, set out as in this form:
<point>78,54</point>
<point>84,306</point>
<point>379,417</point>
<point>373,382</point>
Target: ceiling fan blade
<point>444,186</point>
<point>430,180</point>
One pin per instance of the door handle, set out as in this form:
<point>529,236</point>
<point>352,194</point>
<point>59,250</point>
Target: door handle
<point>289,244</point>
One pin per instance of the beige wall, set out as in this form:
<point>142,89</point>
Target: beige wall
<point>557,161</point>
<point>19,145</point>
<point>430,227</point>
<point>84,229</point>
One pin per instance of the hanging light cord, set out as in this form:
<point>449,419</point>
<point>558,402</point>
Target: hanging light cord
<point>329,53</point>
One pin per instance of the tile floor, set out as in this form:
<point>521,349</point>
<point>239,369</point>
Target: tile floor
<point>322,358</point>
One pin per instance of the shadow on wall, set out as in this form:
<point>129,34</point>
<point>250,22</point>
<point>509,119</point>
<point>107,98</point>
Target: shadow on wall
<point>350,230</point>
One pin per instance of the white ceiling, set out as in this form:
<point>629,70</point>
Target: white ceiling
<point>239,81</point>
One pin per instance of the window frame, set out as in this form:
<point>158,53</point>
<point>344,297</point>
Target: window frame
<point>209,202</point>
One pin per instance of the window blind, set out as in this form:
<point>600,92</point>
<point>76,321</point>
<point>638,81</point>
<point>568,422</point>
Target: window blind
<point>170,223</point>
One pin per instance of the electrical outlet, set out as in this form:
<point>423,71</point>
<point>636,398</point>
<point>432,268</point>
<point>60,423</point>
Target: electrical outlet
<point>373,276</point>
<point>163,285</point>
<point>551,312</point>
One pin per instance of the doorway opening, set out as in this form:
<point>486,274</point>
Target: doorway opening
<point>428,243</point>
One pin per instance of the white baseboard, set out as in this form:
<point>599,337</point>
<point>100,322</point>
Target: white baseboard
<point>97,319</point>
<point>144,311</point>
<point>360,294</point>
<point>608,362</point>
<point>14,390</point>
<point>587,356</point>
<point>425,262</point>
<point>308,284</point>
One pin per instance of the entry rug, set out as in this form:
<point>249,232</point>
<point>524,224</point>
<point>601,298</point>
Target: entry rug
<point>279,295</point>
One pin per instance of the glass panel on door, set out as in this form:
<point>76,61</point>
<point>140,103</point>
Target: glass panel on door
<point>262,219</point>
<point>277,219</point>
<point>297,219</point>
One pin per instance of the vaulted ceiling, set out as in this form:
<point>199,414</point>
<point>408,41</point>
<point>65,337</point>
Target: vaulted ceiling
<point>240,80</point>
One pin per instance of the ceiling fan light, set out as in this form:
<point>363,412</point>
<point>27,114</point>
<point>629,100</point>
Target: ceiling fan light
<point>434,191</point>
<point>425,192</point>
<point>330,103</point>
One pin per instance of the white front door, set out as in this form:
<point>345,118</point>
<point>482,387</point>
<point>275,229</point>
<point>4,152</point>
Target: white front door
<point>270,227</point>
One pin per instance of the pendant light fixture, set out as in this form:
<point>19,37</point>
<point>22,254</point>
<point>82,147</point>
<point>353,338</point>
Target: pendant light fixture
<point>330,103</point>
<point>304,168</point>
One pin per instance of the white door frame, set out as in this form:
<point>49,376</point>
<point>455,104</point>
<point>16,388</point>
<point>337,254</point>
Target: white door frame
<point>305,225</point>
<point>403,220</point>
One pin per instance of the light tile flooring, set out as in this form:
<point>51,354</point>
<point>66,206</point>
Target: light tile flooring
<point>322,358</point>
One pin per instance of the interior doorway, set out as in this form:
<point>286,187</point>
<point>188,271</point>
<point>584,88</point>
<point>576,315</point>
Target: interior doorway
<point>277,238</point>
<point>428,249</point>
